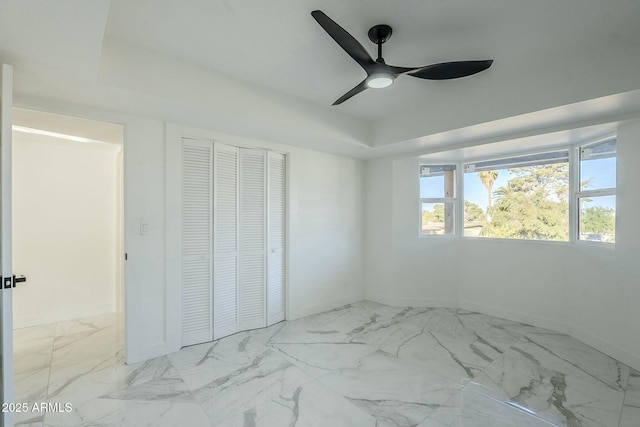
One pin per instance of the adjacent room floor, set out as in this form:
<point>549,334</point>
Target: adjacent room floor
<point>361,365</point>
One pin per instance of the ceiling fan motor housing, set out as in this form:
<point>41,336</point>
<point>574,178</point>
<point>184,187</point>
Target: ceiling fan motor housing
<point>380,33</point>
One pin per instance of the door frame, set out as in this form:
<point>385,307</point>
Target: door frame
<point>6,297</point>
<point>120,213</point>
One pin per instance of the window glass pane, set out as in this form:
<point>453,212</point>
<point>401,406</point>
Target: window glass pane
<point>597,218</point>
<point>530,202</point>
<point>437,218</point>
<point>598,166</point>
<point>475,218</point>
<point>432,187</point>
<point>437,181</point>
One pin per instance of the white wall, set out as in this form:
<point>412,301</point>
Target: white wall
<point>145,284</point>
<point>588,291</point>
<point>326,260</point>
<point>604,286</point>
<point>378,222</point>
<point>64,225</point>
<point>402,269</point>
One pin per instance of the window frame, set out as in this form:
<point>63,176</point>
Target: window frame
<point>443,200</point>
<point>515,155</point>
<point>574,190</point>
<point>577,194</point>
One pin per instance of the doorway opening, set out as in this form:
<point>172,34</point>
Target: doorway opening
<point>68,244</point>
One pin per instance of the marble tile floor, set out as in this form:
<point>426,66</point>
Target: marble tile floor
<point>364,364</point>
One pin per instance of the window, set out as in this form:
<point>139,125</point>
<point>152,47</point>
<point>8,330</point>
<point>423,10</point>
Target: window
<point>525,197</point>
<point>437,199</point>
<point>561,195</point>
<point>596,195</point>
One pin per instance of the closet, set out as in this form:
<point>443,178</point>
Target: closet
<point>233,217</point>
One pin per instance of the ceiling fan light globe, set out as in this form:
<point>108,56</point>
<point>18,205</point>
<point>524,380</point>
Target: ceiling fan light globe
<point>379,80</point>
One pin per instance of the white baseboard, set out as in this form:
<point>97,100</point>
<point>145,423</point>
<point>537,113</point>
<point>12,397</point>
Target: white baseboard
<point>412,302</point>
<point>60,316</point>
<point>142,354</point>
<point>327,305</point>
<point>624,356</point>
<point>516,316</point>
<point>620,354</point>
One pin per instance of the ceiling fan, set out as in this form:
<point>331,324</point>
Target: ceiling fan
<point>379,74</point>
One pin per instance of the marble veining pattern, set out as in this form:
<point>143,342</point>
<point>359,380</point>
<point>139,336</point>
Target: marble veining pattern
<point>630,416</point>
<point>365,364</point>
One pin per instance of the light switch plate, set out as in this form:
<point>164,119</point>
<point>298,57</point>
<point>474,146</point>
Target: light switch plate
<point>144,226</point>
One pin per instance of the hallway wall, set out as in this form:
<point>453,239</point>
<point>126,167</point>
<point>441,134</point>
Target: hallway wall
<point>64,225</point>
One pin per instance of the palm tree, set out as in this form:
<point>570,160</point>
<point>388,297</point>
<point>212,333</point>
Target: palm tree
<point>488,178</point>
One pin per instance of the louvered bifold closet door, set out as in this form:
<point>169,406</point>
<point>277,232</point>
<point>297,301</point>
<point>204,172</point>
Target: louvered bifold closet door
<point>252,238</point>
<point>276,238</point>
<point>225,241</point>
<point>196,234</point>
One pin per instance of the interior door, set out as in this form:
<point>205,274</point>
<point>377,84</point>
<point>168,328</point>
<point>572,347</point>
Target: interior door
<point>225,240</point>
<point>196,234</point>
<point>252,240</point>
<point>276,227</point>
<point>6,317</point>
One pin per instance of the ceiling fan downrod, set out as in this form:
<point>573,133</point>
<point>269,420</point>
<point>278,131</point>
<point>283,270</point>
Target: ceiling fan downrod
<point>379,34</point>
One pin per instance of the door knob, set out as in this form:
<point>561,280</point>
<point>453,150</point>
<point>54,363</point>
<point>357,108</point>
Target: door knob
<point>10,282</point>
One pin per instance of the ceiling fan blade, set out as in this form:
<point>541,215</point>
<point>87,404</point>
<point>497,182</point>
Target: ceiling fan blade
<point>344,39</point>
<point>396,71</point>
<point>451,70</point>
<point>356,90</point>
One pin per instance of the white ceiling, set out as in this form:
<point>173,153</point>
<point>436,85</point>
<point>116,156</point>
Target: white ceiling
<point>277,44</point>
<point>547,54</point>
